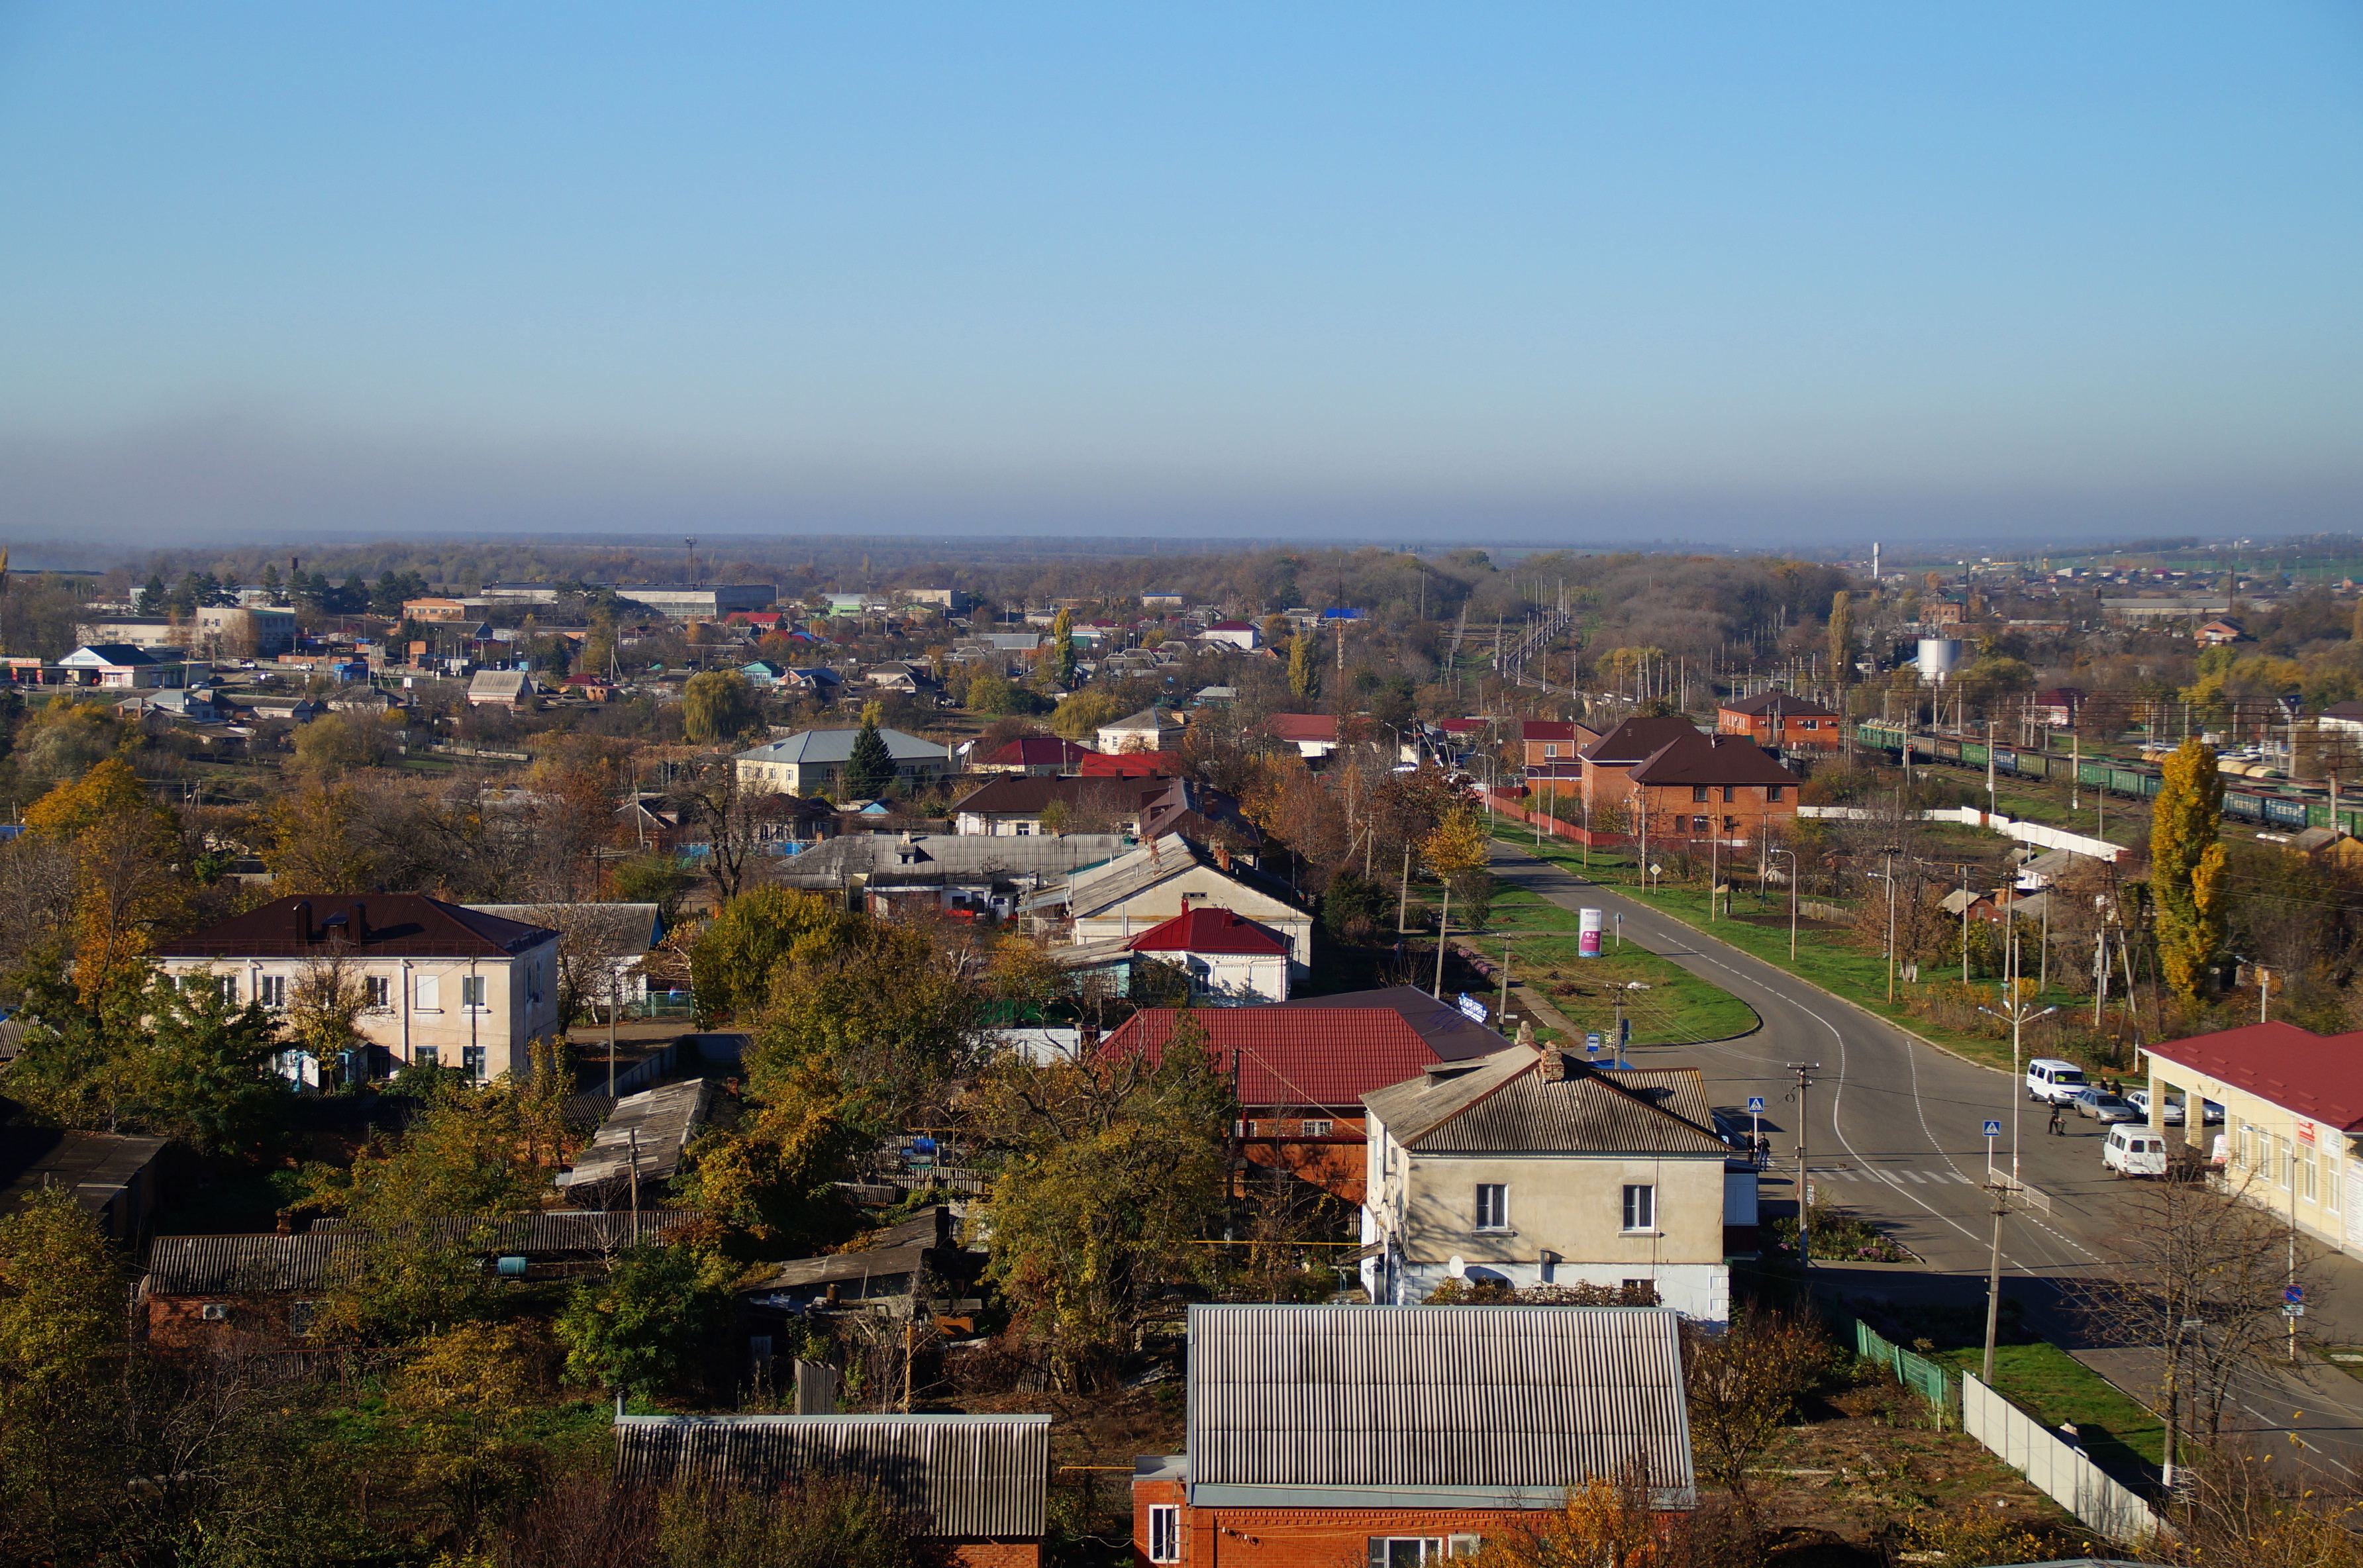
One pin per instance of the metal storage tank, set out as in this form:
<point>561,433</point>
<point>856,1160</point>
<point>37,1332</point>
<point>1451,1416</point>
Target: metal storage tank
<point>1938,657</point>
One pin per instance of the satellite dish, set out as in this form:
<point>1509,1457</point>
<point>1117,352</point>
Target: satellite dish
<point>1456,1267</point>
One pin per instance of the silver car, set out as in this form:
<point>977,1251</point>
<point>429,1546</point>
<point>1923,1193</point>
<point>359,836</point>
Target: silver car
<point>2101,1106</point>
<point>2139,1100</point>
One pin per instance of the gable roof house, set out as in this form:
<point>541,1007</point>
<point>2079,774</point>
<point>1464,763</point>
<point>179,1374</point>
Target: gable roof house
<point>1393,1435</point>
<point>447,985</point>
<point>121,665</point>
<point>1778,720</point>
<point>1229,960</point>
<point>601,947</point>
<point>1544,741</point>
<point>1150,885</point>
<point>1718,788</point>
<point>974,876</point>
<point>813,762</point>
<point>1300,1072</point>
<point>1625,746</point>
<point>1532,1167</point>
<point>1313,735</point>
<point>1146,809</point>
<point>508,688</point>
<point>116,1177</point>
<point>1151,729</point>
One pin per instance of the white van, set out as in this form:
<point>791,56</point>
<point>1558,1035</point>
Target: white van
<point>2134,1150</point>
<point>2048,1077</point>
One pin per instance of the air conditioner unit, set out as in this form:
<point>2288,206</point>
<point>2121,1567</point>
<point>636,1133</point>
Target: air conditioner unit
<point>215,1312</point>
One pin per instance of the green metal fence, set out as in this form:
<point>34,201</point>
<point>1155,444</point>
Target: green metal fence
<point>1917,1372</point>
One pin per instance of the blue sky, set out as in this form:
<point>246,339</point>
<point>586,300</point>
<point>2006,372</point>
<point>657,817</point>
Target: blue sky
<point>1758,273</point>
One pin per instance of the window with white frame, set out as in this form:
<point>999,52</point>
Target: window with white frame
<point>472,990</point>
<point>2305,1173</point>
<point>427,992</point>
<point>2285,1166</point>
<point>380,991</point>
<point>1640,1208</point>
<point>1164,1532</point>
<point>1493,1206</point>
<point>1314,1128</point>
<point>271,990</point>
<point>1407,1551</point>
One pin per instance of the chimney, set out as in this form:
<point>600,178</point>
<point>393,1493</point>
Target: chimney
<point>300,921</point>
<point>1563,1068</point>
<point>943,1225</point>
<point>359,926</point>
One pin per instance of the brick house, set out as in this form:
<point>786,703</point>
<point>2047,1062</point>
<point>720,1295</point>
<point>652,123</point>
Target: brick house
<point>443,984</point>
<point>1688,786</point>
<point>1300,1073</point>
<point>1543,741</point>
<point>1776,719</point>
<point>977,1485</point>
<point>1424,1431</point>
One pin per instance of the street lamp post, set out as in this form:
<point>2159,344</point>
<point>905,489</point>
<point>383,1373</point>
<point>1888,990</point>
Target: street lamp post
<point>1792,902</point>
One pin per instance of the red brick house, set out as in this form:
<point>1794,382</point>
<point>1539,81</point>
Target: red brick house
<point>1424,1431</point>
<point>1543,741</point>
<point>1710,787</point>
<point>1777,719</point>
<point>1300,1070</point>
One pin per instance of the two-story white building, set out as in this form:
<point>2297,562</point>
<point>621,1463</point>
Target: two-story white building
<point>1530,1166</point>
<point>811,761</point>
<point>441,983</point>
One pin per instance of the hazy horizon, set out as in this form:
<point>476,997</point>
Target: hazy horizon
<point>1573,275</point>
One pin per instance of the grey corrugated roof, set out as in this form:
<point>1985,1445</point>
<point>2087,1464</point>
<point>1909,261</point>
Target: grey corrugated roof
<point>248,1264</point>
<point>965,1477</point>
<point>823,747</point>
<point>1102,888</point>
<point>1425,1397</point>
<point>613,931</point>
<point>664,1118</point>
<point>1510,1103</point>
<point>920,857</point>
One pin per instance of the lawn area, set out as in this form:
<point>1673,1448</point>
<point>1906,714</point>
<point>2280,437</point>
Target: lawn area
<point>1673,1007</point>
<point>1827,958</point>
<point>2054,1387</point>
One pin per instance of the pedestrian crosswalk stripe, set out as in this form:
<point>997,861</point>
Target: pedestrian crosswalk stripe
<point>1963,1180</point>
<point>1915,1176</point>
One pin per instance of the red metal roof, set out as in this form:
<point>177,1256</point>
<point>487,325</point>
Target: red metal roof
<point>1302,726</point>
<point>1545,730</point>
<point>1207,930</point>
<point>1303,1056</point>
<point>2317,1077</point>
<point>1696,759</point>
<point>1037,751</point>
<point>1126,765</point>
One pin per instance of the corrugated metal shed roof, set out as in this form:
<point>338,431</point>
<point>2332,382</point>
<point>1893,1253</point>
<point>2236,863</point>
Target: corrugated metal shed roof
<point>966,1477</point>
<point>320,1258</point>
<point>1426,1398</point>
<point>1515,1102</point>
<point>663,1120</point>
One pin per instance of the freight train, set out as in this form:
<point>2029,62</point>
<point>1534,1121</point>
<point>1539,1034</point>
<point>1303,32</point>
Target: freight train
<point>2283,807</point>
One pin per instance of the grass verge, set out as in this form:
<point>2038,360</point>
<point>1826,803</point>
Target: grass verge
<point>2056,1389</point>
<point>1673,1006</point>
<point>1827,958</point>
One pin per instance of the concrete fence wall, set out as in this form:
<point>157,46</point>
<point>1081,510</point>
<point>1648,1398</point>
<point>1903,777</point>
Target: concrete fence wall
<point>2058,1469</point>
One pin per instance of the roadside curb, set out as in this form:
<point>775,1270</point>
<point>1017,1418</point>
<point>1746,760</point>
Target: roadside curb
<point>1704,935</point>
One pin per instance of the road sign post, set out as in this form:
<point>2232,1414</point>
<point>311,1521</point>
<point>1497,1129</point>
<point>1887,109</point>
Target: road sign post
<point>1755,1123</point>
<point>1993,1131</point>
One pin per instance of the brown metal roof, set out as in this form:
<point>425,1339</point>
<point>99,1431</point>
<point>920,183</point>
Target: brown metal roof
<point>1696,759</point>
<point>380,925</point>
<point>1636,739</point>
<point>1517,1101</point>
<point>1779,704</point>
<point>963,1477</point>
<point>1423,1397</point>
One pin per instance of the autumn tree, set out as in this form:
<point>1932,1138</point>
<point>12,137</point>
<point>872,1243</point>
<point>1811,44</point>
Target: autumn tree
<point>1456,850</point>
<point>1062,649</point>
<point>1604,1523</point>
<point>1841,637</point>
<point>62,1293</point>
<point>2187,858</point>
<point>1304,666</point>
<point>1078,717</point>
<point>719,705</point>
<point>648,1326</point>
<point>1106,1167</point>
<point>735,957</point>
<point>122,844</point>
<point>1742,1389</point>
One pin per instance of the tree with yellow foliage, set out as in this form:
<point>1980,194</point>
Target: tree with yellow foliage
<point>122,844</point>
<point>2186,856</point>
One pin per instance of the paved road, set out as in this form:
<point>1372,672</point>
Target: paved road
<point>1894,1131</point>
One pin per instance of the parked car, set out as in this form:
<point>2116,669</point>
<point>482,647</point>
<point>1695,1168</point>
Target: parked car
<point>2213,1115</point>
<point>2050,1078</point>
<point>2134,1151</point>
<point>2101,1105</point>
<point>2139,1100</point>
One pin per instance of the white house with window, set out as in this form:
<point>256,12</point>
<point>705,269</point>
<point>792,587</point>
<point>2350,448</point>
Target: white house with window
<point>436,982</point>
<point>1532,1168</point>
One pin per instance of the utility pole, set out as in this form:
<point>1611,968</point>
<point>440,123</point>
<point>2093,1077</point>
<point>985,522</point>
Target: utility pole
<point>1804,1180</point>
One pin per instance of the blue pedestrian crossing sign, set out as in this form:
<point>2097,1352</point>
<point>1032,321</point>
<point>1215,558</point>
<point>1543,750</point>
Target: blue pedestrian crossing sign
<point>1993,1129</point>
<point>1755,1105</point>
